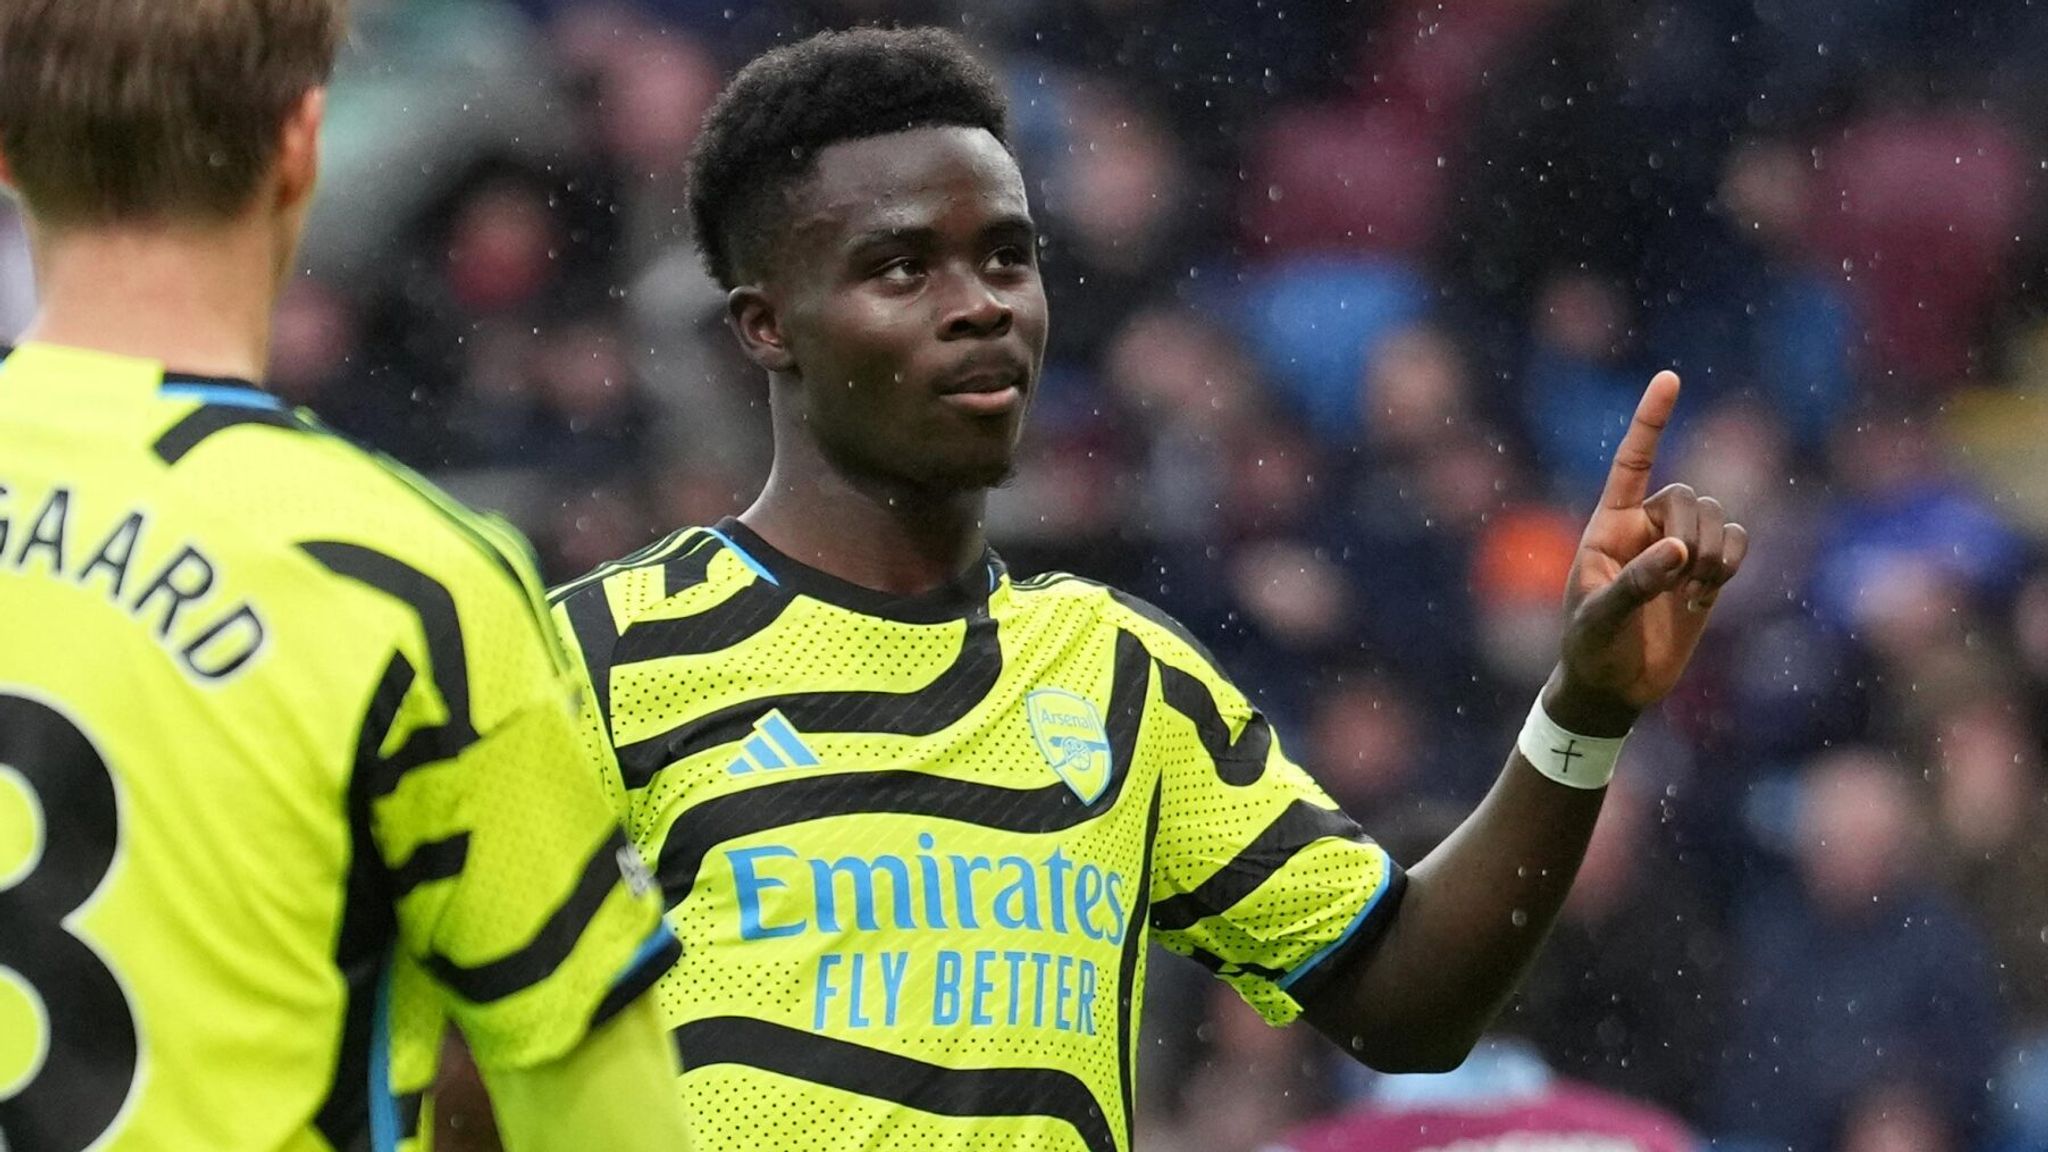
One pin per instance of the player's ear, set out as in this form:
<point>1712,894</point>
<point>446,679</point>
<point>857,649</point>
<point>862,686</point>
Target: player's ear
<point>298,152</point>
<point>752,317</point>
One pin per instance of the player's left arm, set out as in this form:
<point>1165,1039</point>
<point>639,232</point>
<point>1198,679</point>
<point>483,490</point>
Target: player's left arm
<point>1477,909</point>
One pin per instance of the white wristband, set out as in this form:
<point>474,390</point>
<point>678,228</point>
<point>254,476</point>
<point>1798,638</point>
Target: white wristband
<point>1570,759</point>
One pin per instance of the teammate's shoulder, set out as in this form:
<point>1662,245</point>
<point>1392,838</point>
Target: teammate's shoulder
<point>459,534</point>
<point>638,581</point>
<point>320,489</point>
<point>262,477</point>
<point>1166,638</point>
<point>201,421</point>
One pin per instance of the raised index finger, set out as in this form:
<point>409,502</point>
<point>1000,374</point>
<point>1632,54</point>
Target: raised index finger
<point>1628,481</point>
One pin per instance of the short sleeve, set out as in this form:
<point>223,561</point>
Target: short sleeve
<point>514,889</point>
<point>1256,873</point>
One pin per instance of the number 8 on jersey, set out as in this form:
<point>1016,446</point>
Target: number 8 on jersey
<point>68,1047</point>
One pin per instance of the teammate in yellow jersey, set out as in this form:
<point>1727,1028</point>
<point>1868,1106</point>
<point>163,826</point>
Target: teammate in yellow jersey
<point>915,819</point>
<point>288,772</point>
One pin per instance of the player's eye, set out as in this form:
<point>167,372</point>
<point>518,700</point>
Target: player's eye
<point>1009,256</point>
<point>901,270</point>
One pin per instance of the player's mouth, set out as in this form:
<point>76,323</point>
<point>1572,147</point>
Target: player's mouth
<point>986,391</point>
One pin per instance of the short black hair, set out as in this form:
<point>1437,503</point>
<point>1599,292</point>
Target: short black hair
<point>764,132</point>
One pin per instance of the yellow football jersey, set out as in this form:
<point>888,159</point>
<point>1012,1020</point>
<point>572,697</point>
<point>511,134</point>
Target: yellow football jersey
<point>915,847</point>
<point>287,762</point>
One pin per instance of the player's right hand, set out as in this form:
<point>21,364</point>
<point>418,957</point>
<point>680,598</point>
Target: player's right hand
<point>1643,584</point>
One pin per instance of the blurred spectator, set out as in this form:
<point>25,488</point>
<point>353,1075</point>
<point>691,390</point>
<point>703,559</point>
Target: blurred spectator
<point>1184,388</point>
<point>690,492</point>
<point>1861,971</point>
<point>1581,381</point>
<point>1520,563</point>
<point>1810,50</point>
<point>1770,686</point>
<point>1117,222</point>
<point>714,402</point>
<point>504,248</point>
<point>1362,745</point>
<point>1503,1097</point>
<point>1406,531</point>
<point>1314,324</point>
<point>1594,147</point>
<point>1391,758</point>
<point>1989,807</point>
<point>1291,590</point>
<point>1896,501</point>
<point>1215,67</point>
<point>643,90</point>
<point>1898,1117</point>
<point>1256,1080</point>
<point>497,403</point>
<point>595,412</point>
<point>1744,453</point>
<point>1762,313</point>
<point>596,526</point>
<point>313,339</point>
<point>1632,990</point>
<point>317,361</point>
<point>1432,61</point>
<point>1993,435</point>
<point>1070,500</point>
<point>429,90</point>
<point>1343,179</point>
<point>1927,216</point>
<point>1414,392</point>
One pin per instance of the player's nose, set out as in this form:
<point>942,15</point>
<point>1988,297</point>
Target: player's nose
<point>971,308</point>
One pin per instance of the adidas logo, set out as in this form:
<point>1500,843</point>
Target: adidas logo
<point>774,744</point>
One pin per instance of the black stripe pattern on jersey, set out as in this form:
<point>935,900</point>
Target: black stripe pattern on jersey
<point>740,617</point>
<point>410,1106</point>
<point>590,624</point>
<point>380,775</point>
<point>689,569</point>
<point>203,422</point>
<point>937,706</point>
<point>833,1063</point>
<point>368,925</point>
<point>1127,978</point>
<point>631,560</point>
<point>532,963</point>
<point>1309,986</point>
<point>638,979</point>
<point>1240,762</point>
<point>431,602</point>
<point>434,860</point>
<point>1300,825</point>
<point>1051,808</point>
<point>1221,967</point>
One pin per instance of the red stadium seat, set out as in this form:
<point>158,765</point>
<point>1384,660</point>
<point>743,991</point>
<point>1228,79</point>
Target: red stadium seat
<point>1924,215</point>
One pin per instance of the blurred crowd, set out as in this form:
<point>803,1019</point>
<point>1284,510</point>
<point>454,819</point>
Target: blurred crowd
<point>1350,303</point>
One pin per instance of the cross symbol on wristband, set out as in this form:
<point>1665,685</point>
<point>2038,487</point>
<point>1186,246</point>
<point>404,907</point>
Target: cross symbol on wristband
<point>1569,752</point>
